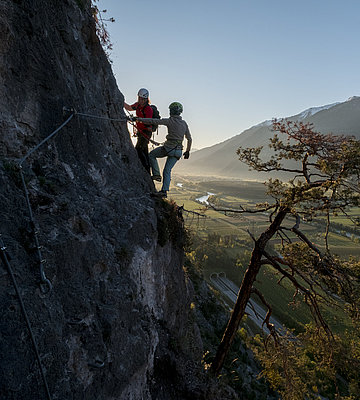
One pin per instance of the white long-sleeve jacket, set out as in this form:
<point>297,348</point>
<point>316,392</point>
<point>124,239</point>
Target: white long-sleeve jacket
<point>177,130</point>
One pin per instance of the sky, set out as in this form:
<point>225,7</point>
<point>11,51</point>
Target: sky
<point>235,63</point>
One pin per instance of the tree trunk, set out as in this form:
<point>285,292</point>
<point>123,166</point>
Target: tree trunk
<point>245,291</point>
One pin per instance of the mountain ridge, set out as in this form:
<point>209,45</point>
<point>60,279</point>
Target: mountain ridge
<point>337,118</point>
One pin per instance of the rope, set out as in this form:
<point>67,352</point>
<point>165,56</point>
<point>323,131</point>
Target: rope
<point>5,260</point>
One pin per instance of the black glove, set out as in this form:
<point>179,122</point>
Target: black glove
<point>131,118</point>
<point>186,155</point>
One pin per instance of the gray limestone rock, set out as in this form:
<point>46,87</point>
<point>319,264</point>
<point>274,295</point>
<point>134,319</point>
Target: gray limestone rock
<point>119,297</point>
<point>117,322</point>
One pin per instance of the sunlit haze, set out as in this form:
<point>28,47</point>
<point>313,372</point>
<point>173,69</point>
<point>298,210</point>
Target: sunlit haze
<point>235,63</point>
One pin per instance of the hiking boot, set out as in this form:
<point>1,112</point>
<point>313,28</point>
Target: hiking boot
<point>156,178</point>
<point>162,194</point>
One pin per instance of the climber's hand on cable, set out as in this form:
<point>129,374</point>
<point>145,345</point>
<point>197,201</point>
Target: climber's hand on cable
<point>186,155</point>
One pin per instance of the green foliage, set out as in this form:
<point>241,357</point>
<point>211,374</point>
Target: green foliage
<point>313,364</point>
<point>101,28</point>
<point>170,225</point>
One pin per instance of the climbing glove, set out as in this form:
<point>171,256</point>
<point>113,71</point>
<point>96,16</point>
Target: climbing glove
<point>186,155</point>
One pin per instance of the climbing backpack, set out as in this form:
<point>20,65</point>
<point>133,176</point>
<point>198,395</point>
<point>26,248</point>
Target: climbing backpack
<point>156,115</point>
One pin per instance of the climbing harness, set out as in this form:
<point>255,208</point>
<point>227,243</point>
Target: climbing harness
<point>150,140</point>
<point>5,260</point>
<point>136,132</point>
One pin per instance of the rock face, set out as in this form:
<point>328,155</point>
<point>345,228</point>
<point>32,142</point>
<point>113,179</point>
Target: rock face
<point>116,323</point>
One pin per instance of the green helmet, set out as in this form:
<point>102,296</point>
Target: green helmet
<point>175,108</point>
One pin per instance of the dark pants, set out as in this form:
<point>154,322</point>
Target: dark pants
<point>143,152</point>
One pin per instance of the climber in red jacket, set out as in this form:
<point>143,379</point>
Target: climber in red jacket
<point>144,132</point>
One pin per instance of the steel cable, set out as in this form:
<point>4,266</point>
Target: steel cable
<point>44,279</point>
<point>45,140</point>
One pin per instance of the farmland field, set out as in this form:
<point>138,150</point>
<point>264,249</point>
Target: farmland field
<point>232,194</point>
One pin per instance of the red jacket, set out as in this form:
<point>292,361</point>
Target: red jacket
<point>143,112</point>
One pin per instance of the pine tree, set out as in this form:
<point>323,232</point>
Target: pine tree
<point>325,177</point>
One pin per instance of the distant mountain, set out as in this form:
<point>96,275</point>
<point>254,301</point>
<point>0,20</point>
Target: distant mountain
<point>221,159</point>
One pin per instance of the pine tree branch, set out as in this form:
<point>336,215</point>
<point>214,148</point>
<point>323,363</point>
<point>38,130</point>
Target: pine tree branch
<point>242,210</point>
<point>310,295</point>
<point>269,325</point>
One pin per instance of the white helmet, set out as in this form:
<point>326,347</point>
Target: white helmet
<point>144,93</point>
